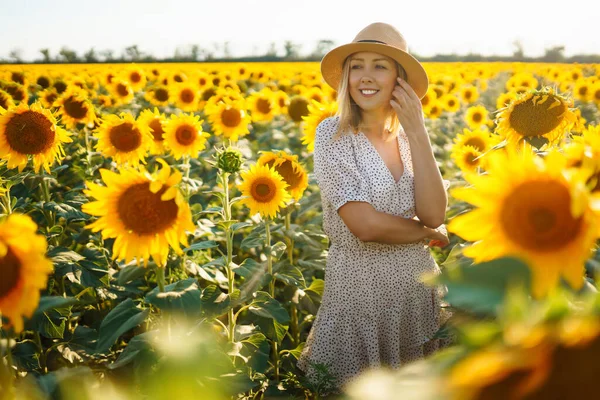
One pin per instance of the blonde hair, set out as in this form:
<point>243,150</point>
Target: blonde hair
<point>349,112</point>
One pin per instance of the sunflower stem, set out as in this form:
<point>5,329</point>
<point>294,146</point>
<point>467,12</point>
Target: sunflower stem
<point>7,201</point>
<point>50,218</point>
<point>271,289</point>
<point>9,359</point>
<point>88,152</point>
<point>160,278</point>
<point>186,163</point>
<point>229,237</point>
<point>38,341</point>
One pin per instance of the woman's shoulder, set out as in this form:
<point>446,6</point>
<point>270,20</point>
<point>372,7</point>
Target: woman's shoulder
<point>328,127</point>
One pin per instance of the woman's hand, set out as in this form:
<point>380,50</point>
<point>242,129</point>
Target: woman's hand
<point>439,237</point>
<point>407,106</point>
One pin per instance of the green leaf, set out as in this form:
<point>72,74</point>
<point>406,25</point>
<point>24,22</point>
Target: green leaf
<point>214,302</point>
<point>240,225</point>
<point>255,238</point>
<point>207,244</point>
<point>130,273</point>
<point>182,296</point>
<point>293,277</point>
<point>294,352</point>
<point>311,299</point>
<point>66,211</point>
<point>119,320</point>
<point>266,306</point>
<point>257,350</point>
<point>137,346</point>
<point>248,268</point>
<point>481,288</point>
<point>50,302</point>
<point>278,249</point>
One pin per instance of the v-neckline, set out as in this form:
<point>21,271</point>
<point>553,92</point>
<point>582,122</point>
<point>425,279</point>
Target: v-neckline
<point>382,160</point>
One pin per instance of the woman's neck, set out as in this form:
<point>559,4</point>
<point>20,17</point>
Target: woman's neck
<point>373,124</point>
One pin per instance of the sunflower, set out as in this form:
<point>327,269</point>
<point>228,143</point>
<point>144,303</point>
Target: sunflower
<point>47,97</point>
<point>203,80</point>
<point>293,174</point>
<point>24,268</point>
<point>469,94</point>
<point>265,190</point>
<point>6,100</point>
<point>450,103</point>
<point>262,105</point>
<point>16,91</point>
<point>220,95</point>
<point>31,131</point>
<point>476,116</point>
<point>185,95</point>
<point>283,101</point>
<point>583,90</point>
<point>123,138</point>
<point>529,209</point>
<point>145,213</point>
<point>155,120</point>
<point>229,118</point>
<point>136,77</point>
<point>121,91</point>
<point>158,95</point>
<point>468,158</point>
<point>595,93</point>
<point>298,108</point>
<point>434,110</point>
<point>184,136</point>
<point>428,99</point>
<point>536,114</point>
<point>480,139</point>
<point>74,108</point>
<point>505,99</point>
<point>317,113</point>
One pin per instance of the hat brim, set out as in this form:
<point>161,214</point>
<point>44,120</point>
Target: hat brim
<point>333,61</point>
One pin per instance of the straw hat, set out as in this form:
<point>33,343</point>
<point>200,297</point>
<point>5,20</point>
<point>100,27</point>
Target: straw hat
<point>379,38</point>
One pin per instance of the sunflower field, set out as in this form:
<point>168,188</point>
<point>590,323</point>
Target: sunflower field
<point>160,232</point>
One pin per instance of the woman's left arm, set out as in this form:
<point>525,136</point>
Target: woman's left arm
<point>431,199</point>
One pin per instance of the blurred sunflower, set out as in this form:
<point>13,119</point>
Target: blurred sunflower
<point>47,97</point>
<point>536,114</point>
<point>6,100</point>
<point>476,116</point>
<point>229,118</point>
<point>595,93</point>
<point>203,80</point>
<point>583,90</point>
<point>121,91</point>
<point>31,131</point>
<point>184,136</point>
<point>480,139</point>
<point>527,207</point>
<point>265,190</point>
<point>434,110</point>
<point>24,268</point>
<point>317,113</point>
<point>157,95</point>
<point>293,174</point>
<point>74,107</point>
<point>428,99</point>
<point>298,108</point>
<point>262,105</point>
<point>185,96</point>
<point>155,120</point>
<point>136,77</point>
<point>469,94</point>
<point>505,99</point>
<point>145,213</point>
<point>450,103</point>
<point>282,100</point>
<point>468,158</point>
<point>16,91</point>
<point>123,138</point>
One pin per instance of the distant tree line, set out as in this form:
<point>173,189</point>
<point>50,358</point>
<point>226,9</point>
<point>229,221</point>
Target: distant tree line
<point>220,52</point>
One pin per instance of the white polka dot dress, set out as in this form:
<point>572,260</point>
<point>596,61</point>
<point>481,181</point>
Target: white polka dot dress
<point>374,310</point>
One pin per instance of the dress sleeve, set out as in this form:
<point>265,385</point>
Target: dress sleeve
<point>335,166</point>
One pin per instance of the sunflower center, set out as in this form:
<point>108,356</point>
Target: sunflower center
<point>50,97</point>
<point>157,129</point>
<point>185,135</point>
<point>597,94</point>
<point>583,90</point>
<point>471,159</point>
<point>529,119</point>
<point>76,109</point>
<point>476,142</point>
<point>161,94</point>
<point>135,77</point>
<point>208,93</point>
<point>298,108</point>
<point>537,216</point>
<point>263,105</point>
<point>263,190</point>
<point>29,132</point>
<point>60,86</point>
<point>286,170</point>
<point>187,95</point>
<point>11,270</point>
<point>122,90</point>
<point>231,117</point>
<point>125,137</point>
<point>4,101</point>
<point>477,117</point>
<point>143,212</point>
<point>281,101</point>
<point>43,82</point>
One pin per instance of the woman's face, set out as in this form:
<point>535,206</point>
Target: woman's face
<point>372,80</point>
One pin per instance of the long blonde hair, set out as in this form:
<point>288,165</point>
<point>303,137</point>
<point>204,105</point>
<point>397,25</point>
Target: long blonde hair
<point>349,112</point>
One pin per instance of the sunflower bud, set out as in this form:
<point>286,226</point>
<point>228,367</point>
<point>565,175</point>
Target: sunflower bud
<point>229,160</point>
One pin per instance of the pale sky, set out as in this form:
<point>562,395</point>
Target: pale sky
<point>429,26</point>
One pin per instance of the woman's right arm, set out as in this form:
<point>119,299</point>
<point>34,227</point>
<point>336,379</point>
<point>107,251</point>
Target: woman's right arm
<point>370,225</point>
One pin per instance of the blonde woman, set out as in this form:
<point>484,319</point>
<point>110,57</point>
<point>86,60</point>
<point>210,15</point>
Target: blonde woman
<point>384,200</point>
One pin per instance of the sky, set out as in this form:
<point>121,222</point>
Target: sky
<point>430,27</point>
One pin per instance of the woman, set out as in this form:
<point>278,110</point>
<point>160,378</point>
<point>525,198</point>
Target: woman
<point>383,197</point>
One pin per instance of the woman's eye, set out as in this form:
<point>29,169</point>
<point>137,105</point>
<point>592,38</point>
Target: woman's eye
<point>380,66</point>
<point>355,67</point>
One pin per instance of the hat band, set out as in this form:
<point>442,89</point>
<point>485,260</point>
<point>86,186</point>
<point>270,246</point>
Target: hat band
<point>372,41</point>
